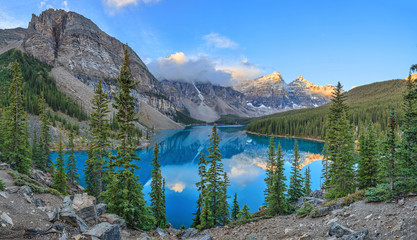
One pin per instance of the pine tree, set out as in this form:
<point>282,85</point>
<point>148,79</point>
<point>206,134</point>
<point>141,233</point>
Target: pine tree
<point>339,139</point>
<point>92,174</point>
<point>368,161</point>
<point>408,150</point>
<point>244,213</point>
<point>36,150</point>
<point>72,171</point>
<point>224,214</point>
<point>59,179</point>
<point>99,125</point>
<point>325,163</point>
<point>214,178</point>
<point>307,181</point>
<point>295,190</point>
<point>270,171</point>
<point>44,138</point>
<point>278,203</point>
<point>206,216</point>
<point>235,209</point>
<point>16,145</point>
<point>157,192</point>
<point>201,189</point>
<point>123,194</point>
<point>390,159</point>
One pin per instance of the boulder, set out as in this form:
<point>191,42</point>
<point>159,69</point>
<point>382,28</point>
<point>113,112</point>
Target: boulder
<point>85,206</point>
<point>25,190</point>
<point>4,194</point>
<point>313,201</point>
<point>6,219</point>
<point>338,230</point>
<point>4,166</point>
<point>189,232</point>
<point>12,189</point>
<point>38,202</point>
<point>323,211</point>
<point>41,177</point>
<point>67,214</point>
<point>101,209</point>
<point>160,233</point>
<point>113,219</point>
<point>144,236</point>
<point>317,194</point>
<point>105,231</point>
<point>356,236</point>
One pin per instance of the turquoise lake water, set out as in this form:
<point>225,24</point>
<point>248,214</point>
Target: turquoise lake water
<point>243,156</point>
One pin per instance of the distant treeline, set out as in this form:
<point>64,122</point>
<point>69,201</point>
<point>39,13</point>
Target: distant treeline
<point>36,80</point>
<point>368,104</point>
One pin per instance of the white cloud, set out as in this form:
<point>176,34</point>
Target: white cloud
<point>42,3</point>
<point>243,70</point>
<point>65,5</point>
<point>219,41</point>
<point>8,21</point>
<point>178,67</point>
<point>124,3</point>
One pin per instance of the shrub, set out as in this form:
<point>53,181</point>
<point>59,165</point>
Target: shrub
<point>379,193</point>
<point>305,210</point>
<point>183,227</point>
<point>54,192</point>
<point>1,185</point>
<point>24,180</point>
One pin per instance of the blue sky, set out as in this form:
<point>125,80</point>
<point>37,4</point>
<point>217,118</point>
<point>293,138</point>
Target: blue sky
<point>354,42</point>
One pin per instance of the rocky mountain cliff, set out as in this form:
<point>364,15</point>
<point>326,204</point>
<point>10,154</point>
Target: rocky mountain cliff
<point>70,42</point>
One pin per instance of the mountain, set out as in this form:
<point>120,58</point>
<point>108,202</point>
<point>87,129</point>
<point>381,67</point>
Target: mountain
<point>80,54</point>
<point>367,103</point>
<point>272,92</point>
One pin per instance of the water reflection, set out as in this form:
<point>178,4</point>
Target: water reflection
<point>244,158</point>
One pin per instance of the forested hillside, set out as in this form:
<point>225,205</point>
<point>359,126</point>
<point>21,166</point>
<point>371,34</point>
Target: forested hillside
<point>368,103</point>
<point>36,80</point>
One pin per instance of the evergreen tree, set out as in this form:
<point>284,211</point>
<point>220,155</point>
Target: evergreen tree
<point>16,148</point>
<point>99,125</point>
<point>206,216</point>
<point>295,190</point>
<point>368,161</point>
<point>244,213</point>
<point>44,138</point>
<point>72,171</point>
<point>224,214</point>
<point>92,174</point>
<point>390,159</point>
<point>235,209</point>
<point>307,181</point>
<point>408,150</point>
<point>36,150</point>
<point>339,139</point>
<point>157,192</point>
<point>325,163</point>
<point>59,179</point>
<point>201,189</point>
<point>215,185</point>
<point>277,202</point>
<point>270,171</point>
<point>123,194</point>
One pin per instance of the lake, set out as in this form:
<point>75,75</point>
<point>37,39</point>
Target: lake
<point>243,155</point>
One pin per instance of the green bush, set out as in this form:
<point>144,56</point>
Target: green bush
<point>54,192</point>
<point>1,185</point>
<point>354,197</point>
<point>379,193</point>
<point>305,210</point>
<point>24,180</point>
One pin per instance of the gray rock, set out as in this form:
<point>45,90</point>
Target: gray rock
<point>25,190</point>
<point>6,219</point>
<point>4,194</point>
<point>105,231</point>
<point>101,209</point>
<point>113,219</point>
<point>4,166</point>
<point>160,232</point>
<point>310,200</point>
<point>38,202</point>
<point>67,214</point>
<point>28,199</point>
<point>356,236</point>
<point>189,232</point>
<point>323,211</point>
<point>12,189</point>
<point>317,194</point>
<point>144,236</point>
<point>85,207</point>
<point>338,230</point>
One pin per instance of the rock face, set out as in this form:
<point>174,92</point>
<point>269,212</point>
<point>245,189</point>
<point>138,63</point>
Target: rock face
<point>272,92</point>
<point>69,40</point>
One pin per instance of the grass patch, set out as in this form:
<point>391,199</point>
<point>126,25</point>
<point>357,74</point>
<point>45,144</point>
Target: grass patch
<point>1,185</point>
<point>354,197</point>
<point>305,210</point>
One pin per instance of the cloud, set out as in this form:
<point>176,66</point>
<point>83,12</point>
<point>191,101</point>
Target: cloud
<point>178,67</point>
<point>65,5</point>
<point>124,3</point>
<point>7,21</point>
<point>243,70</point>
<point>177,187</point>
<point>219,41</point>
